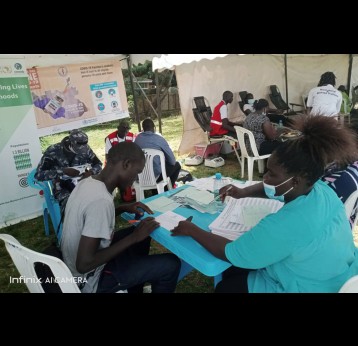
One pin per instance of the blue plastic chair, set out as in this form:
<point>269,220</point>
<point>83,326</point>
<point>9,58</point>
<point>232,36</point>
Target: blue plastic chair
<point>50,205</point>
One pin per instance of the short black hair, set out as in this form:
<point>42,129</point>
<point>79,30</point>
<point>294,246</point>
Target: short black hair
<point>148,124</point>
<point>260,104</point>
<point>125,151</point>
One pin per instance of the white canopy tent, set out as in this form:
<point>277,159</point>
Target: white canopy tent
<point>210,75</point>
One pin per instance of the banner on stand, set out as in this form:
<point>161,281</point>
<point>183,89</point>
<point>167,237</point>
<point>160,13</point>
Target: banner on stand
<point>77,95</point>
<point>20,149</point>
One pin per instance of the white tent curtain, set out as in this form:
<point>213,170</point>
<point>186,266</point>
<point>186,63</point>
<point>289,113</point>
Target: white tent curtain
<point>252,73</point>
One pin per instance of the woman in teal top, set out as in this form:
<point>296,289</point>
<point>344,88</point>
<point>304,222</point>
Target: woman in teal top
<point>307,246</point>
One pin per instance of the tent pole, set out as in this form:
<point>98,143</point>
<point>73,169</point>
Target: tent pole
<point>129,61</point>
<point>159,104</point>
<point>349,73</point>
<point>285,59</point>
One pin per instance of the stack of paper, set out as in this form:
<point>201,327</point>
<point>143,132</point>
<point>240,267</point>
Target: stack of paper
<point>197,199</point>
<point>242,214</point>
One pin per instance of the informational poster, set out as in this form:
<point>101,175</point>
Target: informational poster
<point>77,95</point>
<point>20,149</point>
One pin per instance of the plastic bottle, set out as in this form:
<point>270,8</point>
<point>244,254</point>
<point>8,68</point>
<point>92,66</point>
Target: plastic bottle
<point>218,184</point>
<point>280,125</point>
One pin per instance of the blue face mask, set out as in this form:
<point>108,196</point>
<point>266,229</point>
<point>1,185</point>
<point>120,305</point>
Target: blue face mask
<point>270,191</point>
<point>250,101</point>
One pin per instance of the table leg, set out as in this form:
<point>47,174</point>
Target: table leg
<point>184,270</point>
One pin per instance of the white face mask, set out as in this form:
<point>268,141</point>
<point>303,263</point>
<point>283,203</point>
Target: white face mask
<point>250,101</point>
<point>270,191</point>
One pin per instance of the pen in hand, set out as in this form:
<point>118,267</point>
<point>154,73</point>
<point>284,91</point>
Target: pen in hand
<point>222,194</point>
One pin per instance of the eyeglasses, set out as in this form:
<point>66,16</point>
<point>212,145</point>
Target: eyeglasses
<point>124,127</point>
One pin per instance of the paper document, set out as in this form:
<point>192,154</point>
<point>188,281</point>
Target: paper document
<point>162,204</point>
<point>207,184</point>
<point>242,214</point>
<point>169,220</point>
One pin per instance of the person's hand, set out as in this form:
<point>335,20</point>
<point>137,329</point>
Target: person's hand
<point>86,174</point>
<point>145,228</point>
<point>230,190</point>
<point>71,172</point>
<point>183,228</point>
<point>138,208</point>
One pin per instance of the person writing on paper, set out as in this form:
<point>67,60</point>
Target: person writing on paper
<point>59,161</point>
<point>105,261</point>
<point>306,246</point>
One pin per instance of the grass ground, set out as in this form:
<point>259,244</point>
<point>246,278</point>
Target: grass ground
<point>31,233</point>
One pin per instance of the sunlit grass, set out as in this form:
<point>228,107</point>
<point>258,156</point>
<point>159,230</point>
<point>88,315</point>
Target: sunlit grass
<point>31,233</point>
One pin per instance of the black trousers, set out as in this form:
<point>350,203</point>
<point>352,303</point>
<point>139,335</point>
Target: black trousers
<point>172,172</point>
<point>267,147</point>
<point>234,281</point>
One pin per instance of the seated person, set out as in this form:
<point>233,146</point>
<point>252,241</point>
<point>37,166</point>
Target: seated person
<point>275,115</point>
<point>259,124</point>
<point>219,123</point>
<point>149,139</point>
<point>122,134</point>
<point>59,159</point>
<point>344,181</point>
<point>307,245</point>
<point>105,261</point>
<point>248,104</point>
<point>325,99</point>
<point>346,106</point>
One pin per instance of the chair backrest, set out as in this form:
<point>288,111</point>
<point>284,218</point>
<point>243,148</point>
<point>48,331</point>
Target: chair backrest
<point>25,260</point>
<point>241,134</point>
<point>147,177</point>
<point>304,100</point>
<point>277,99</point>
<point>350,286</point>
<point>52,204</point>
<point>32,181</point>
<point>202,112</point>
<point>242,95</point>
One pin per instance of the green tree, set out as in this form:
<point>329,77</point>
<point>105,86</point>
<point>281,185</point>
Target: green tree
<point>166,80</point>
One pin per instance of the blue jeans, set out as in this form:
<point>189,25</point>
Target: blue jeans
<point>133,267</point>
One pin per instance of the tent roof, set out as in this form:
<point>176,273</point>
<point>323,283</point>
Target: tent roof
<point>169,61</point>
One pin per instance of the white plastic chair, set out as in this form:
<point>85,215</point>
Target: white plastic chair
<point>240,131</point>
<point>24,260</point>
<point>350,286</point>
<point>349,206</point>
<point>346,112</point>
<point>147,180</point>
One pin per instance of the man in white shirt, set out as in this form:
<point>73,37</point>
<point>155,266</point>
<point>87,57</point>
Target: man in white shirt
<point>325,99</point>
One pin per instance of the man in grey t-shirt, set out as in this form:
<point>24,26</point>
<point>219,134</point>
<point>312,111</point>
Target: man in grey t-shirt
<point>99,258</point>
